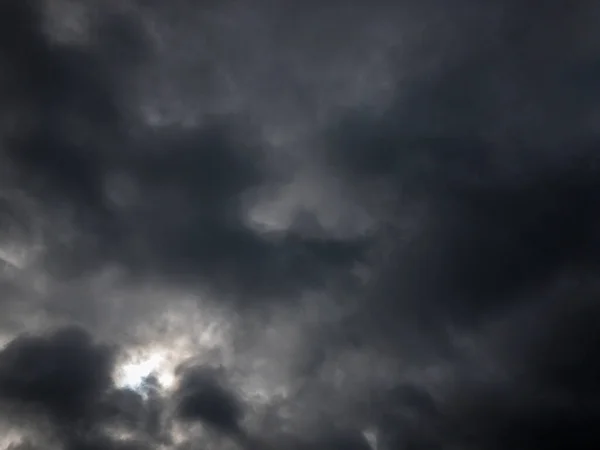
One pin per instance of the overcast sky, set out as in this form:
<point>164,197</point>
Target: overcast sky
<point>335,225</point>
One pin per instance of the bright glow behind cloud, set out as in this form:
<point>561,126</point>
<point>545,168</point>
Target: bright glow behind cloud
<point>132,375</point>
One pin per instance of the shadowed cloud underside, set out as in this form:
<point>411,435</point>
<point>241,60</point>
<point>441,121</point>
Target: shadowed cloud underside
<point>306,226</point>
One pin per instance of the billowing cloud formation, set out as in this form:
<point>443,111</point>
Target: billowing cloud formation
<point>203,398</point>
<point>60,373</point>
<point>243,227</point>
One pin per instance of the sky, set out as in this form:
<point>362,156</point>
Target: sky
<point>340,225</point>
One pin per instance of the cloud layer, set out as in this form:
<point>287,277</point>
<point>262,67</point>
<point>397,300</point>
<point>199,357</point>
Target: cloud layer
<point>298,226</point>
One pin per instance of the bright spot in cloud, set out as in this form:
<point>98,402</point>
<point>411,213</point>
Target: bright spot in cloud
<point>133,373</point>
<point>10,439</point>
<point>371,438</point>
<point>160,354</point>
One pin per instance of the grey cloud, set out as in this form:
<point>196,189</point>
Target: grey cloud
<point>202,396</point>
<point>461,140</point>
<point>61,373</point>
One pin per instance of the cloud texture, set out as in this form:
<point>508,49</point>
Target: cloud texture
<point>341,226</point>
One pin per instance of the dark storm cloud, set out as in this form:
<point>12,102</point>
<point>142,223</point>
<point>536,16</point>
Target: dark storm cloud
<point>162,203</point>
<point>184,214</point>
<point>491,158</point>
<point>511,197</point>
<point>67,378</point>
<point>190,218</point>
<point>203,397</point>
<point>334,440</point>
<point>61,373</point>
<point>549,397</point>
<point>510,204</point>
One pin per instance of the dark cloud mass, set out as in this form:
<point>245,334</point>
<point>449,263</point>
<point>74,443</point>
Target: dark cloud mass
<point>202,397</point>
<point>341,226</point>
<point>62,372</point>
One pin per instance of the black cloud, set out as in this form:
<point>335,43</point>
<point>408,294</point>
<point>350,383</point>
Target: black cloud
<point>203,397</point>
<point>187,219</point>
<point>61,373</point>
<point>501,218</point>
<point>464,316</point>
